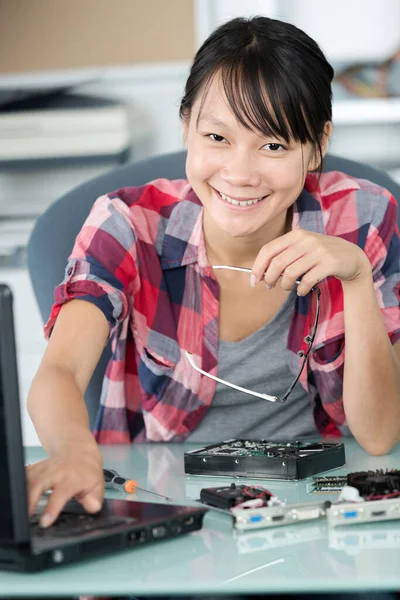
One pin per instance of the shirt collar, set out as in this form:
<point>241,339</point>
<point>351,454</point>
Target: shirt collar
<point>183,242</point>
<point>307,210</point>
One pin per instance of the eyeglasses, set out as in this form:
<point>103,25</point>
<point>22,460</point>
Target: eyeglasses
<point>309,340</point>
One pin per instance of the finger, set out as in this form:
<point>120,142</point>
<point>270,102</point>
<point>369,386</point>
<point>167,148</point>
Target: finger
<point>35,492</point>
<point>274,248</point>
<point>264,258</point>
<point>57,500</point>
<point>280,264</point>
<point>297,270</point>
<point>310,279</point>
<point>36,484</point>
<point>91,502</point>
<point>92,498</point>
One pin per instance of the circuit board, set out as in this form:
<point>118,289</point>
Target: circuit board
<point>254,507</point>
<point>372,485</point>
<point>265,459</point>
<point>273,516</point>
<point>365,496</point>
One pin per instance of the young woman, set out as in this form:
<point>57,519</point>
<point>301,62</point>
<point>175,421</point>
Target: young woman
<point>211,288</point>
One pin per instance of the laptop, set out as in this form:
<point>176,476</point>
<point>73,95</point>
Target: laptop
<point>76,535</point>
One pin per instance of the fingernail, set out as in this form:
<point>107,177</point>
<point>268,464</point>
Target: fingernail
<point>268,286</point>
<point>45,520</point>
<point>253,280</point>
<point>96,504</point>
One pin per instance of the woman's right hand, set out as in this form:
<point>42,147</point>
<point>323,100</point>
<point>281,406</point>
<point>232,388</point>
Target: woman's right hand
<point>74,472</point>
<point>57,408</point>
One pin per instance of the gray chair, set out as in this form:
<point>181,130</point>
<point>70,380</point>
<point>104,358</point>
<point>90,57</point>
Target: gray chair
<point>54,233</point>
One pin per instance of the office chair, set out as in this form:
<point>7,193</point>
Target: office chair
<point>54,233</point>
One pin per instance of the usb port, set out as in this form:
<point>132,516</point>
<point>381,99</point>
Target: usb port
<point>350,514</point>
<point>159,532</point>
<point>138,536</point>
<point>378,513</point>
<point>278,517</point>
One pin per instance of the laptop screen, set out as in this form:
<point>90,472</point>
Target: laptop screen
<point>14,525</point>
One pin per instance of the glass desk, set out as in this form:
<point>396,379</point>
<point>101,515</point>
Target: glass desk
<point>216,560</point>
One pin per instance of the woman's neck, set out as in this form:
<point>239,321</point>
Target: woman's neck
<point>223,249</point>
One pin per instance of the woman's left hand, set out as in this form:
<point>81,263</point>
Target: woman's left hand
<point>311,257</point>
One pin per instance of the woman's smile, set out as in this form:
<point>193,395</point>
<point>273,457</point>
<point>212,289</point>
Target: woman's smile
<point>238,203</point>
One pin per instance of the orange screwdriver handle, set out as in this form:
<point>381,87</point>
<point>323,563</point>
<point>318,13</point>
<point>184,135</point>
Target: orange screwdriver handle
<point>130,486</point>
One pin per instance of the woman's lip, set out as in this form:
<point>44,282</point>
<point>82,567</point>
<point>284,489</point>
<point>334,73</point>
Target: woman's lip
<point>235,207</point>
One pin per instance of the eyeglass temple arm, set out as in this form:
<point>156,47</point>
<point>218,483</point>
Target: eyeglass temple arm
<point>310,342</point>
<point>247,270</point>
<point>232,385</point>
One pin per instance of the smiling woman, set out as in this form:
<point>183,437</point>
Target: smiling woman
<point>237,170</point>
<point>252,127</point>
<point>309,259</point>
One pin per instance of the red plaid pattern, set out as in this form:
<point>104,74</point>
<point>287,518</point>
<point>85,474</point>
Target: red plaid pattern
<point>140,257</point>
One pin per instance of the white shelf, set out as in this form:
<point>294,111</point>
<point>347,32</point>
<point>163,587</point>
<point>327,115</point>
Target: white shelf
<point>366,111</point>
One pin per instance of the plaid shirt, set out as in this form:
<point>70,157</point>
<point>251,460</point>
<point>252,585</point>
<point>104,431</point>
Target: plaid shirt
<point>140,257</point>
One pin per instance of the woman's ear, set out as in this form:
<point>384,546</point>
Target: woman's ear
<point>326,136</point>
<point>316,158</point>
<point>185,129</point>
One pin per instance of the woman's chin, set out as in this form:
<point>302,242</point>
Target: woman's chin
<point>233,230</point>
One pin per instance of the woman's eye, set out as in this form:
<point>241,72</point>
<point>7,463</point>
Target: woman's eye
<point>216,138</point>
<point>274,147</point>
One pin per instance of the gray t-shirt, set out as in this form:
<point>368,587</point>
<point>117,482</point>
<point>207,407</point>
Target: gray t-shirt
<point>259,363</point>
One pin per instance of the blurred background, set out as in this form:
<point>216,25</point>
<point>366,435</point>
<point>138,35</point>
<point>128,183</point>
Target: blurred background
<point>86,85</point>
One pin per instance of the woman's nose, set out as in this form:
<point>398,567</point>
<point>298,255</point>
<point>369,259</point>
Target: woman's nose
<point>241,170</point>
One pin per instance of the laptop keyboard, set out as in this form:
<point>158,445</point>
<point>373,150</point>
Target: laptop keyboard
<point>70,525</point>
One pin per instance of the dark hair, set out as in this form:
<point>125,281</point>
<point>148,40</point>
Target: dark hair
<point>261,58</point>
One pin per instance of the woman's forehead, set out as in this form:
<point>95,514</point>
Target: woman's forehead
<point>211,93</point>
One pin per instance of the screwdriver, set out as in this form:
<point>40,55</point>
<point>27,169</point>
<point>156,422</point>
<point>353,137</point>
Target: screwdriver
<point>114,481</point>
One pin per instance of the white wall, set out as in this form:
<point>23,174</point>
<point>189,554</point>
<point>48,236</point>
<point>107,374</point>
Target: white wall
<point>347,30</point>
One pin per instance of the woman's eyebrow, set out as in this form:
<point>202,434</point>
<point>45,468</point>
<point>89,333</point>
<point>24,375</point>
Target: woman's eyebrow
<point>211,120</point>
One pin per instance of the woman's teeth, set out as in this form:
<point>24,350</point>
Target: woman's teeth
<point>239,203</point>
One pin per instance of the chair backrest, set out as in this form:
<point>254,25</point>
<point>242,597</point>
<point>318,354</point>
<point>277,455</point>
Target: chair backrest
<point>54,233</point>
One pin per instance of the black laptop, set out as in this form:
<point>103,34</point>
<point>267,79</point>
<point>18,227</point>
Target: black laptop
<point>24,545</point>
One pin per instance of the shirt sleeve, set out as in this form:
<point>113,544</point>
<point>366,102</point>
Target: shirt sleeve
<point>102,267</point>
<point>382,247</point>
